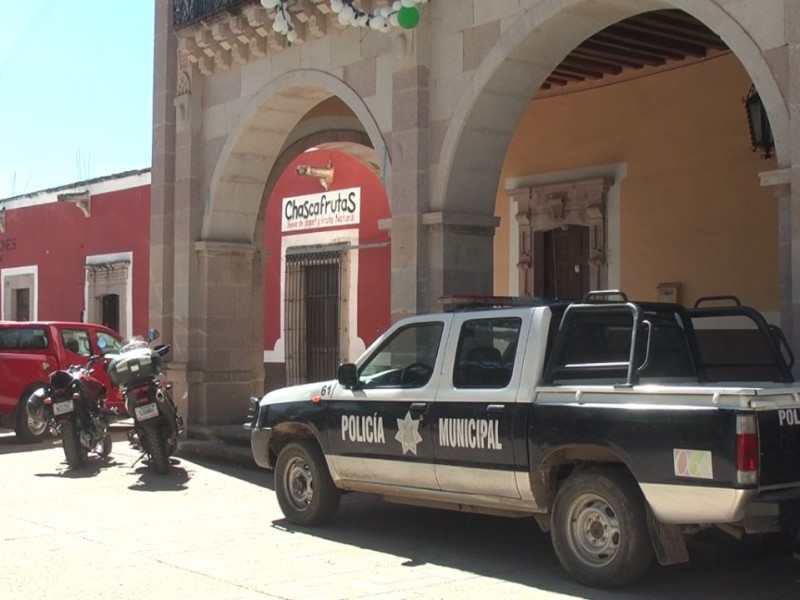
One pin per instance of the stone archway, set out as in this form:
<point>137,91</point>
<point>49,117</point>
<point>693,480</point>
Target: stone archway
<point>219,311</point>
<point>239,178</point>
<point>508,77</point>
<point>466,177</point>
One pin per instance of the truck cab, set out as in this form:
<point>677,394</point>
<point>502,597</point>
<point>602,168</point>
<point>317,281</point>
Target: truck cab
<point>31,350</point>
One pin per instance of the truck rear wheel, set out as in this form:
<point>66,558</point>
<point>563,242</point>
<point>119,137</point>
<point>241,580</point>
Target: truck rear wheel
<point>303,485</point>
<point>28,430</point>
<point>599,528</point>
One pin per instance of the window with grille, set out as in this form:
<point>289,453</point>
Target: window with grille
<point>312,308</point>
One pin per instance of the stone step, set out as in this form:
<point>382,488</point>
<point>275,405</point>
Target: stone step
<point>220,442</point>
<point>216,451</point>
<point>234,434</point>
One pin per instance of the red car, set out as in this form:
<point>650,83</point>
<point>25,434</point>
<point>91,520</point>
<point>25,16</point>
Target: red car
<point>30,351</point>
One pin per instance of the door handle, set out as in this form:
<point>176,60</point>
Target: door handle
<point>419,407</point>
<point>496,409</point>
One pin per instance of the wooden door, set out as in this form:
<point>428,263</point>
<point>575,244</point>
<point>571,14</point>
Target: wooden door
<point>563,255</point>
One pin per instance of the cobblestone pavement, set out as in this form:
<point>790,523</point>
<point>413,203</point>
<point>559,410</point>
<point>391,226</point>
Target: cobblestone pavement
<point>205,530</point>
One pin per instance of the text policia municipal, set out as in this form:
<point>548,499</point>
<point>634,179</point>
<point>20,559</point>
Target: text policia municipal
<point>453,433</point>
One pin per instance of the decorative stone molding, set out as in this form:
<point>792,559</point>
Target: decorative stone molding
<point>181,102</point>
<point>82,200</point>
<point>225,38</point>
<point>212,248</point>
<point>545,207</point>
<point>2,220</point>
<point>108,272</point>
<point>464,221</point>
<point>780,180</point>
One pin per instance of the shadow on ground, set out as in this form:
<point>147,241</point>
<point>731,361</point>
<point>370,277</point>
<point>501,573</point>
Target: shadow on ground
<point>517,551</point>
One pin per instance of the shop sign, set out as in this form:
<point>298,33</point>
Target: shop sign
<point>318,211</point>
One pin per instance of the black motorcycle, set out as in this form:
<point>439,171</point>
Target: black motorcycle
<point>73,406</point>
<point>156,422</point>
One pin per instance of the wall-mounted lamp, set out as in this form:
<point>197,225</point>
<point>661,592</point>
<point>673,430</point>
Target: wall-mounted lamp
<point>758,122</point>
<point>323,174</point>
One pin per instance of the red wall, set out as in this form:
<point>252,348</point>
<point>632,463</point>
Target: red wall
<point>57,237</point>
<point>374,264</point>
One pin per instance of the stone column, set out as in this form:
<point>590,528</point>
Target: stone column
<point>779,181</point>
<point>184,367</point>
<point>460,254</point>
<point>162,186</point>
<point>163,240</point>
<point>409,184</point>
<point>790,199</point>
<point>223,337</point>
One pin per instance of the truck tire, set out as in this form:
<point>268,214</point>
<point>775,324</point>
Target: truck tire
<point>156,447</point>
<point>599,528</point>
<point>73,451</point>
<point>27,430</point>
<point>303,485</point>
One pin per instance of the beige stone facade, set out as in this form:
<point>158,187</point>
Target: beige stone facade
<point>451,116</point>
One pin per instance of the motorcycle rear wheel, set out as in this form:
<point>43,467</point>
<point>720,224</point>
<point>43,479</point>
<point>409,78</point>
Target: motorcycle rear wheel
<point>73,451</point>
<point>157,449</point>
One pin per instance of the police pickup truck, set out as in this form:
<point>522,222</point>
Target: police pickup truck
<point>621,427</point>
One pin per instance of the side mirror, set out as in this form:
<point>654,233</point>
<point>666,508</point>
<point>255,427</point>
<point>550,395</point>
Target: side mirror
<point>348,376</point>
<point>153,334</point>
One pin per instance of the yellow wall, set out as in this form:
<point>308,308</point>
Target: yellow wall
<point>691,207</point>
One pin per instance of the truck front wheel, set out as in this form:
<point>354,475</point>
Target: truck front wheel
<point>303,485</point>
<point>28,430</point>
<point>599,528</point>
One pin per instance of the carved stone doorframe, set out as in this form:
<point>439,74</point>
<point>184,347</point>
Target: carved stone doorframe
<point>541,208</point>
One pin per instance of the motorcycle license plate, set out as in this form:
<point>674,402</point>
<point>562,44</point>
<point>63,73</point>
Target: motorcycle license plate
<point>61,408</point>
<point>148,411</point>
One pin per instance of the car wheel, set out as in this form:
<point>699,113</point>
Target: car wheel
<point>304,488</point>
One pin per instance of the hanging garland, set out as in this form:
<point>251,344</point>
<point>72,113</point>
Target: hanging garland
<point>402,13</point>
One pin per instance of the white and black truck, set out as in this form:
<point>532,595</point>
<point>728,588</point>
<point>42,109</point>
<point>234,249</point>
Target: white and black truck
<point>621,427</point>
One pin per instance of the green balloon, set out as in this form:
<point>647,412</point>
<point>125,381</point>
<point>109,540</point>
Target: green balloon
<point>408,17</point>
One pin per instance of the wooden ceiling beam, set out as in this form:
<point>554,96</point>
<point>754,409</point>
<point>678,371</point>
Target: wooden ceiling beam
<point>600,66</point>
<point>563,74</point>
<point>622,52</point>
<point>654,41</point>
<point>650,39</point>
<point>620,42</point>
<point>599,57</point>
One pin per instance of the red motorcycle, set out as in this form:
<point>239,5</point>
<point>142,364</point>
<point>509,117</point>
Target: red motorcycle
<point>73,406</point>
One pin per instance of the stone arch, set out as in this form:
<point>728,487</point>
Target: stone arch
<point>485,118</point>
<point>325,135</point>
<point>257,141</point>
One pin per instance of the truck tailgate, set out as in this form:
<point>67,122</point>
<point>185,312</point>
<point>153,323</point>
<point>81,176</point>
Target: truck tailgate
<point>779,439</point>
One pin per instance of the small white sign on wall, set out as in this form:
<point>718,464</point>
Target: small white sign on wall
<point>336,208</point>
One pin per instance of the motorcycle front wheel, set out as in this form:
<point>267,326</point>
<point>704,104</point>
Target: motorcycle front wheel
<point>71,440</point>
<point>157,449</point>
<point>104,447</point>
